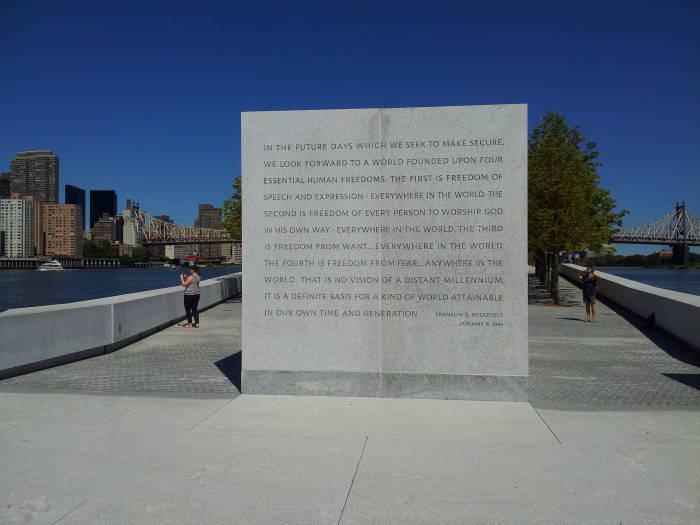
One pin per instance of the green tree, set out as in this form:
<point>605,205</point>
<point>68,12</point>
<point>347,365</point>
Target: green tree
<point>141,254</point>
<point>567,210</point>
<point>233,212</point>
<point>98,249</point>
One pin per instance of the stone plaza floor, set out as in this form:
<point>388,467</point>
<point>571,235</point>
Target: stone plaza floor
<point>611,363</point>
<point>157,433</point>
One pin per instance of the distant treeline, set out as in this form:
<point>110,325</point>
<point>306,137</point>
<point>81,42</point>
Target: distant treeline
<point>649,261</point>
<point>103,249</point>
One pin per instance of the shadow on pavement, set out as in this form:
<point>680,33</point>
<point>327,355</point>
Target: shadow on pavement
<point>537,294</point>
<point>692,380</point>
<point>673,346</point>
<point>231,367</point>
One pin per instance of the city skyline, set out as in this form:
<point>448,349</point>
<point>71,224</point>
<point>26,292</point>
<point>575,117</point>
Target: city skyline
<point>71,194</point>
<point>161,116</point>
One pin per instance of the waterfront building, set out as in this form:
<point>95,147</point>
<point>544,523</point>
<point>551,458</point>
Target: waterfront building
<point>210,217</point>
<point>119,228</point>
<point>35,173</point>
<point>105,228</point>
<point>175,251</point>
<point>60,230</point>
<point>101,202</point>
<point>132,229</point>
<point>132,205</point>
<point>124,251</point>
<point>17,223</point>
<point>37,228</point>
<point>5,185</point>
<point>237,253</point>
<point>157,251</point>
<point>75,195</point>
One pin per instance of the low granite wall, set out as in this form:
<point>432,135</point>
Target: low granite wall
<point>42,336</point>
<point>677,313</point>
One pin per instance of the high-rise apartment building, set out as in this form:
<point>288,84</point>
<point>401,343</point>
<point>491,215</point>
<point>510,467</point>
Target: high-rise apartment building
<point>105,229</point>
<point>5,185</point>
<point>101,202</point>
<point>17,221</point>
<point>210,218</point>
<point>35,173</point>
<point>37,228</point>
<point>75,195</point>
<point>61,231</point>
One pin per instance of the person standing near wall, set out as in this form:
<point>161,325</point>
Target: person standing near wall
<point>590,288</point>
<point>191,284</point>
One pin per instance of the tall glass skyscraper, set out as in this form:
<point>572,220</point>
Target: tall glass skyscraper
<point>75,195</point>
<point>102,201</point>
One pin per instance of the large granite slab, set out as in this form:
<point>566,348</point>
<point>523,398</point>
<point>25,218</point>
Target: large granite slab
<point>385,252</point>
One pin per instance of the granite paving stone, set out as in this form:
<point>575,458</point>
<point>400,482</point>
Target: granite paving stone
<point>610,364</point>
<point>204,361</point>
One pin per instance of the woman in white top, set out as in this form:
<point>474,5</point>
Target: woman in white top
<point>191,284</point>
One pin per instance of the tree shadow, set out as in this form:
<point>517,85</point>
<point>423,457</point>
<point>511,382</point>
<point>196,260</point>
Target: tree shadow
<point>231,367</point>
<point>537,294</point>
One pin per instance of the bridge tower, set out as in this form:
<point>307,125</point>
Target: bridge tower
<point>681,251</point>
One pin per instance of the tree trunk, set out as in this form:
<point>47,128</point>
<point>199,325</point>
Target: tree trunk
<point>554,287</point>
<point>539,266</point>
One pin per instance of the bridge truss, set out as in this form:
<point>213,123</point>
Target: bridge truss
<point>678,227</point>
<point>158,232</point>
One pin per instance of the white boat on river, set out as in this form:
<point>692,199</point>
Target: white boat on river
<point>53,266</point>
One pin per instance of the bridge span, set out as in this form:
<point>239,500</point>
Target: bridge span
<point>680,229</point>
<point>157,232</point>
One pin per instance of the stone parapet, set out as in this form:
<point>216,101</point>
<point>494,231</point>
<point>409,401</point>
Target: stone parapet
<point>42,336</point>
<point>676,312</point>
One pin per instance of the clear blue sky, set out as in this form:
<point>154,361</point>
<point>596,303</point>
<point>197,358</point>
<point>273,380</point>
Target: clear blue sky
<point>145,97</point>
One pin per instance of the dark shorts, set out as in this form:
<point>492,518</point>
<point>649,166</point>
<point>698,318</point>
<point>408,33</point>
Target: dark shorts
<point>589,296</point>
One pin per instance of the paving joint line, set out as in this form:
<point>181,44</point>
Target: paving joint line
<point>352,482</point>
<point>215,411</point>
<point>69,512</point>
<point>545,423</point>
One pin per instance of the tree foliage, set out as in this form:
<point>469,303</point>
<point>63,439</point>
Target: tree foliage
<point>567,209</point>
<point>98,249</point>
<point>653,260</point>
<point>232,211</point>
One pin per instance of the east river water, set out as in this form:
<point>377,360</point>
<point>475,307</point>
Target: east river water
<point>22,288</point>
<point>686,281</point>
